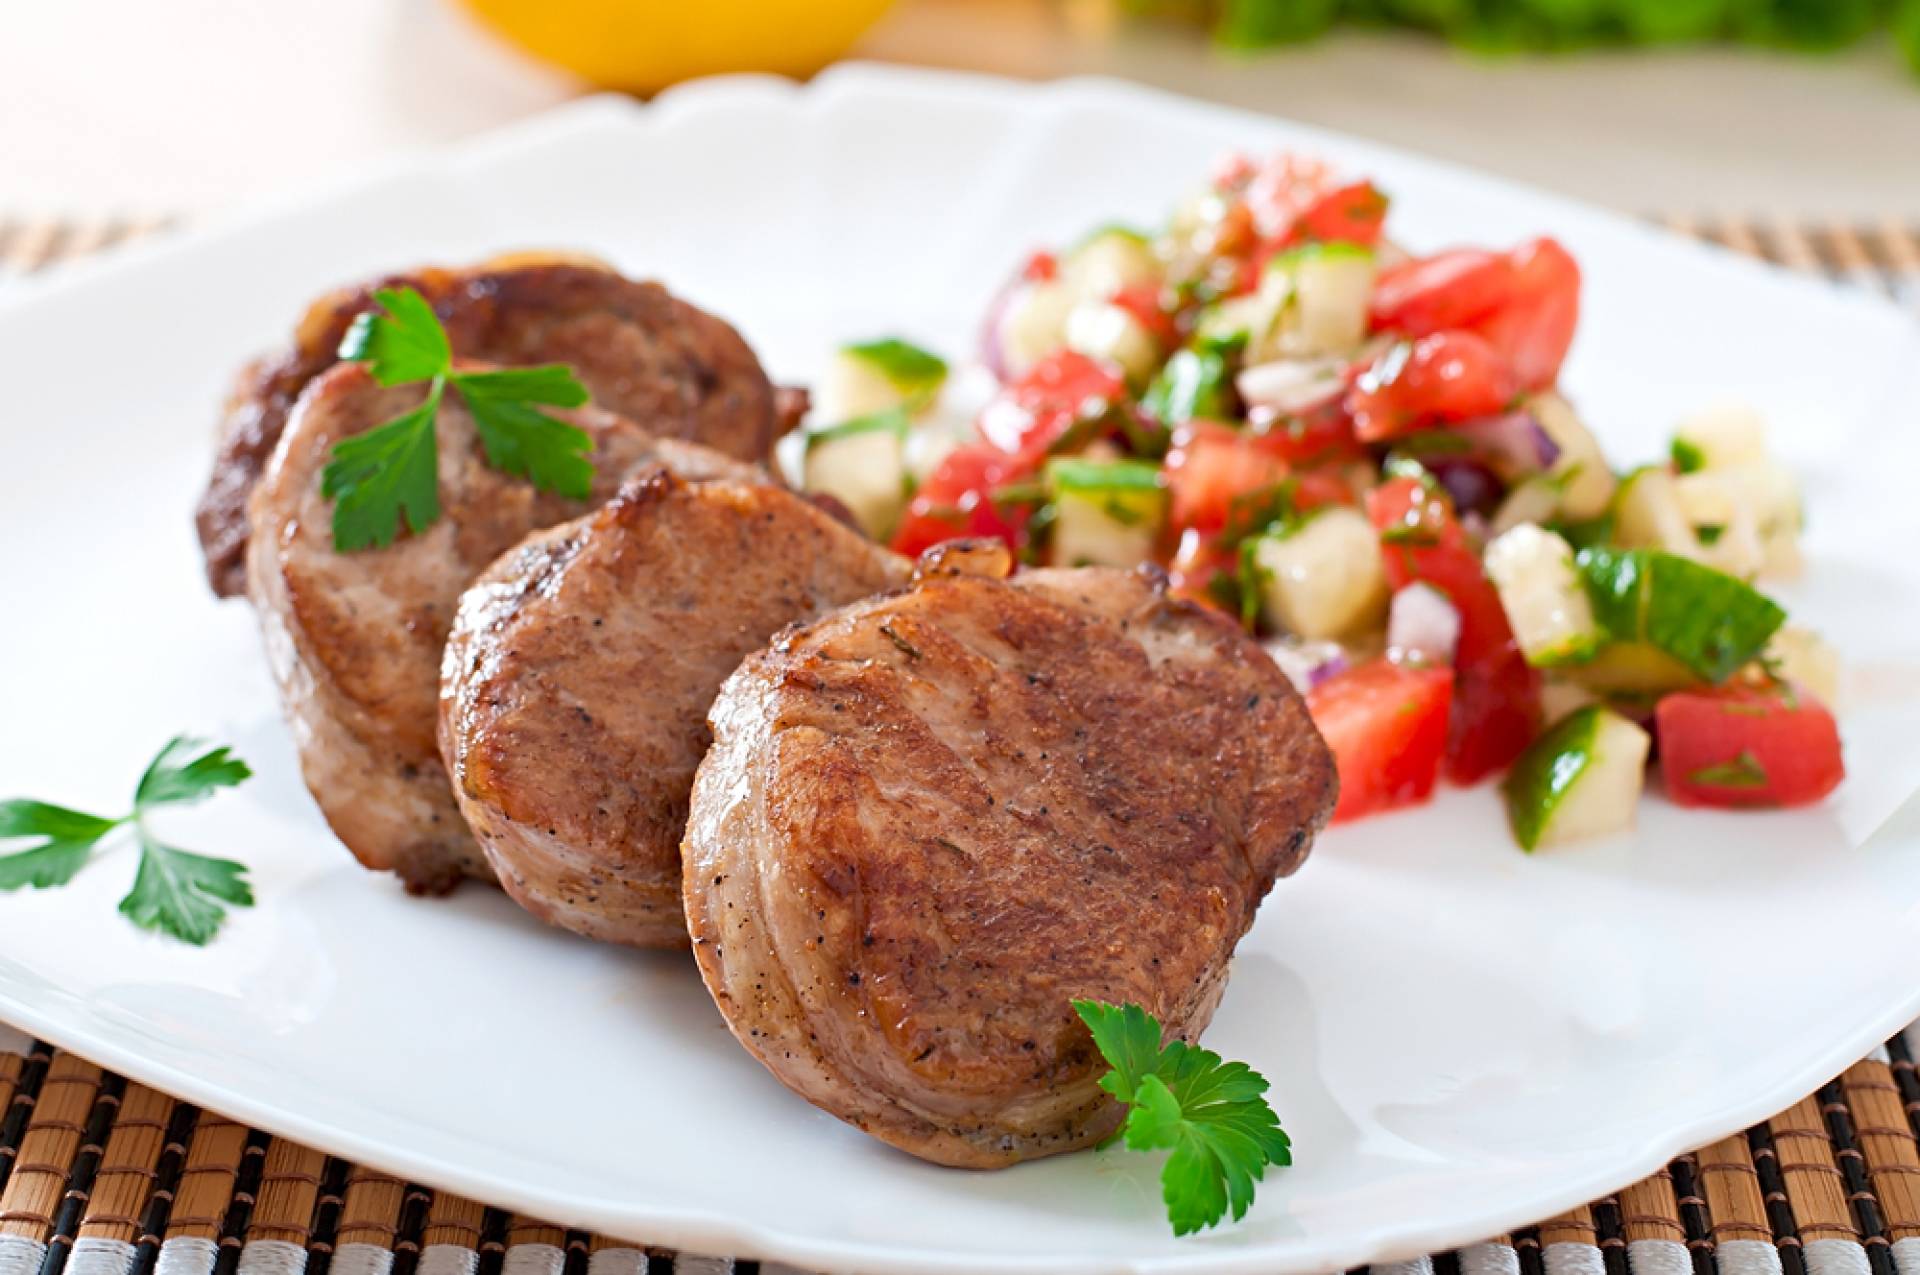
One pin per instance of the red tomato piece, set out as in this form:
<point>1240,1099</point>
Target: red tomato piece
<point>1440,379</point>
<point>1448,290</point>
<point>1349,214</point>
<point>1525,303</point>
<point>1535,327</point>
<point>1387,726</point>
<point>1496,697</point>
<point>1143,303</point>
<point>1026,418</point>
<point>1321,437</point>
<point>1208,467</point>
<point>1199,560</point>
<point>957,500</point>
<point>1744,746</point>
<point>1040,268</point>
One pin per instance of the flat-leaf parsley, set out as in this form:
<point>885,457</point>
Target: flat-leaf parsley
<point>1209,1113</point>
<point>390,473</point>
<point>174,891</point>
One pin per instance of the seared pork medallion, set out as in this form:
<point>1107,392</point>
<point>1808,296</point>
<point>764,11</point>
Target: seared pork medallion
<point>933,819</point>
<point>642,352</point>
<point>355,639</point>
<point>577,680</point>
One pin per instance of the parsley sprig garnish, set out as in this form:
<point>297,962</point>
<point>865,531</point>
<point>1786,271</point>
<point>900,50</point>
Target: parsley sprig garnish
<point>174,891</point>
<point>391,473</point>
<point>1184,1099</point>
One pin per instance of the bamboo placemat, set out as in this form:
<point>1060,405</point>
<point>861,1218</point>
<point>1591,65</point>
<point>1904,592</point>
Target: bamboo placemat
<point>99,1176</point>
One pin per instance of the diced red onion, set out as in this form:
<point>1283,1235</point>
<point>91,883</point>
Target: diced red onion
<point>1292,387</point>
<point>1514,445</point>
<point>1474,487</point>
<point>1307,663</point>
<point>993,350</point>
<point>1423,625</point>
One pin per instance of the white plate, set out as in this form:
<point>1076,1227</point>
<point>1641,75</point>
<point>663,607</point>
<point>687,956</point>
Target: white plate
<point>1461,1038</point>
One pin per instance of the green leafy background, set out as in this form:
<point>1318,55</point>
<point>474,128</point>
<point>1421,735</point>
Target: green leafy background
<point>1546,25</point>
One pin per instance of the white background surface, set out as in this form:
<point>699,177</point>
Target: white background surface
<point>144,108</point>
<point>1461,1038</point>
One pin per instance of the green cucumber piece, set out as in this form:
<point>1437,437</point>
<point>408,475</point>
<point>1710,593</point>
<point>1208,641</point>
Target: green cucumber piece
<point>911,370</point>
<point>1105,513</point>
<point>1705,619</point>
<point>862,463</point>
<point>1581,778</point>
<point>1191,383</point>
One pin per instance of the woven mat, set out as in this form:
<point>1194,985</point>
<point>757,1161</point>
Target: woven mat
<point>102,1177</point>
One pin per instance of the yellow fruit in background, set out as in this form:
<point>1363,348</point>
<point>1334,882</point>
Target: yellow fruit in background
<point>641,45</point>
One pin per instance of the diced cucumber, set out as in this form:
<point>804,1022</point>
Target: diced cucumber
<point>1586,480</point>
<point>1537,500</point>
<point>1633,669</point>
<point>1581,778</point>
<point>1705,619</point>
<point>872,376</point>
<point>1235,323</point>
<point>1730,434</point>
<point>1545,601</point>
<point>1560,696</point>
<point>1112,334</point>
<point>1647,514</point>
<point>1803,658</point>
<point>1728,539</point>
<point>1108,260</point>
<point>1329,287</point>
<point>1107,513</point>
<point>862,463</point>
<point>1322,578</point>
<point>1031,325</point>
<point>1193,383</point>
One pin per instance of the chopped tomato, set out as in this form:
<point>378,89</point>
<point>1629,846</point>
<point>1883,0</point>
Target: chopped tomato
<point>1535,327</point>
<point>1349,214</point>
<point>1496,698</point>
<point>1029,416</point>
<point>1040,268</point>
<point>1198,562</point>
<point>1448,290</point>
<point>1387,726</point>
<point>1746,746</point>
<point>1525,303</point>
<point>1209,467</point>
<point>1321,437</point>
<point>1440,379</point>
<point>1143,303</point>
<point>957,500</point>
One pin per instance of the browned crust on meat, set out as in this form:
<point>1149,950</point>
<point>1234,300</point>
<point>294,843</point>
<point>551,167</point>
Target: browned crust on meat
<point>930,821</point>
<point>355,639</point>
<point>670,367</point>
<point>574,694</point>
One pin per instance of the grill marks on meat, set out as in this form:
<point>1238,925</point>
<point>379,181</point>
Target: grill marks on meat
<point>355,639</point>
<point>670,367</point>
<point>931,820</point>
<point>577,680</point>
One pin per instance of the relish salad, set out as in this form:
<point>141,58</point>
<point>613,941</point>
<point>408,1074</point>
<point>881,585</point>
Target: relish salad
<point>1362,455</point>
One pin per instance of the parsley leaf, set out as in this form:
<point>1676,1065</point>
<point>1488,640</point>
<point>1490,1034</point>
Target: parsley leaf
<point>179,893</point>
<point>521,440</point>
<point>406,343</point>
<point>1209,1114</point>
<point>391,473</point>
<point>174,891</point>
<point>1744,771</point>
<point>178,777</point>
<point>67,839</point>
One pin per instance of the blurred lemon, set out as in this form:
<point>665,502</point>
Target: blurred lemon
<point>648,44</point>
